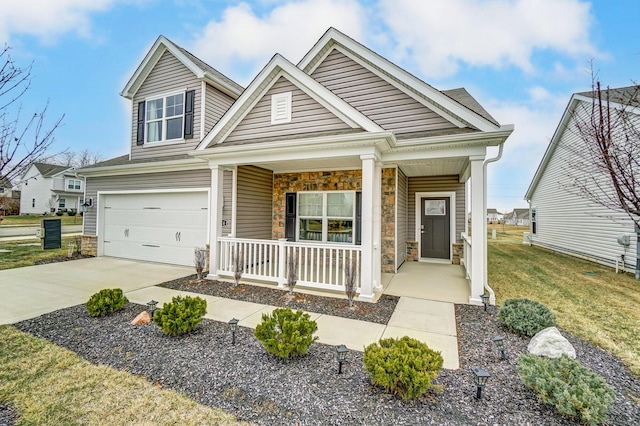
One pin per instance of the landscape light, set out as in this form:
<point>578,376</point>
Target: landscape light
<point>485,300</point>
<point>499,341</point>
<point>233,323</point>
<point>481,378</point>
<point>151,306</point>
<point>341,356</point>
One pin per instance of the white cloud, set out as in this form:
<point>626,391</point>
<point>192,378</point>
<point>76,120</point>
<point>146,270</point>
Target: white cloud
<point>440,34</point>
<point>47,19</point>
<point>241,42</point>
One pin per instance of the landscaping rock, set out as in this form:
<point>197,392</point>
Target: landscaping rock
<point>550,343</point>
<point>142,318</point>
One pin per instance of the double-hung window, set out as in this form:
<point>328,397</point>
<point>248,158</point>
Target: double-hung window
<point>73,184</point>
<point>327,216</point>
<point>164,118</point>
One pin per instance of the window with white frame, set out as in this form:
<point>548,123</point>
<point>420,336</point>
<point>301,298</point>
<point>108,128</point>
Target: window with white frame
<point>62,203</point>
<point>164,118</point>
<point>281,108</point>
<point>74,184</point>
<point>327,216</point>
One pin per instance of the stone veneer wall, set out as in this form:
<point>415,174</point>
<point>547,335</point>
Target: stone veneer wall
<point>412,251</point>
<point>89,245</point>
<point>458,253</point>
<point>388,220</point>
<point>343,180</point>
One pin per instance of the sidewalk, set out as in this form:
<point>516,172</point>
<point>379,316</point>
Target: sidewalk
<point>426,320</point>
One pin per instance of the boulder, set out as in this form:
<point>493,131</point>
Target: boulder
<point>550,343</point>
<point>142,318</point>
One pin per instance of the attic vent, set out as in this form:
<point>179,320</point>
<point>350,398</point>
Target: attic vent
<point>281,108</point>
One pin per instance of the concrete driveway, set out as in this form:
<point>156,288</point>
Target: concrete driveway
<point>32,291</point>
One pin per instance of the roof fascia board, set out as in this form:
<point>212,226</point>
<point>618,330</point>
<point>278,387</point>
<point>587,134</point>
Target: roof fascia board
<point>139,168</point>
<point>616,105</point>
<point>489,138</point>
<point>446,106</point>
<point>220,85</point>
<point>282,67</point>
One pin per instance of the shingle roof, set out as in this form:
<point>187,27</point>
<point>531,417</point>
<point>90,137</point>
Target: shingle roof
<point>522,213</point>
<point>464,98</point>
<point>629,95</point>
<point>48,170</point>
<point>124,160</point>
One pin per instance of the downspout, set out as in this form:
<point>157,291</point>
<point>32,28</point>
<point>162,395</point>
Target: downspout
<point>492,295</point>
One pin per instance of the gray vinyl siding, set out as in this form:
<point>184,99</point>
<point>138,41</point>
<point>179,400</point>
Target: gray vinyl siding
<point>227,205</point>
<point>140,182</point>
<point>435,184</point>
<point>308,117</point>
<point>216,104</point>
<point>383,103</point>
<point>168,75</point>
<point>571,224</point>
<point>401,219</point>
<point>255,202</point>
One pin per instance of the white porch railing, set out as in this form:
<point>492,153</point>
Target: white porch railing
<point>466,254</point>
<point>320,266</point>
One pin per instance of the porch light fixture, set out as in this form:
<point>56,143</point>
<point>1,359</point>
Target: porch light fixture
<point>87,204</point>
<point>341,356</point>
<point>480,377</point>
<point>233,323</point>
<point>485,300</point>
<point>151,306</point>
<point>499,342</point>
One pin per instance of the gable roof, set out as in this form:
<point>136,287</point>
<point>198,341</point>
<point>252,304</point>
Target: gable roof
<point>454,106</point>
<point>619,96</point>
<point>520,213</point>
<point>198,67</point>
<point>279,66</point>
<point>49,170</point>
<point>493,211</point>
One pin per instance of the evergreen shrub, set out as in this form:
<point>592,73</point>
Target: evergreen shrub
<point>404,366</point>
<point>285,333</point>
<point>575,391</point>
<point>106,301</point>
<point>525,317</point>
<point>182,315</point>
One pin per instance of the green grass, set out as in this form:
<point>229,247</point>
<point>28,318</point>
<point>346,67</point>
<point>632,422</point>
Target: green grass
<point>37,220</point>
<point>20,254</point>
<point>47,384</point>
<point>600,308</point>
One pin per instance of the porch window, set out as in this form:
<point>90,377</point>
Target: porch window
<point>327,216</point>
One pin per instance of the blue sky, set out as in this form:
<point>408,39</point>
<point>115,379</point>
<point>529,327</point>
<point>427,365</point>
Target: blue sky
<point>522,59</point>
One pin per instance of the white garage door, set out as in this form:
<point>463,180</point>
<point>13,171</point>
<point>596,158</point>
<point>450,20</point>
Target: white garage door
<point>158,227</point>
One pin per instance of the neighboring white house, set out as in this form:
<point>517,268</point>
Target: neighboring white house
<point>519,217</point>
<point>566,222</point>
<point>9,198</point>
<point>47,188</point>
<point>494,215</point>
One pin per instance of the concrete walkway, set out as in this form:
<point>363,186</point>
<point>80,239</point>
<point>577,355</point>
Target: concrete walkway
<point>32,291</point>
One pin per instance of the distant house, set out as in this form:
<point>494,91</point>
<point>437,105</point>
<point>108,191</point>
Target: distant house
<point>494,215</point>
<point>519,217</point>
<point>567,222</point>
<point>9,198</point>
<point>47,188</point>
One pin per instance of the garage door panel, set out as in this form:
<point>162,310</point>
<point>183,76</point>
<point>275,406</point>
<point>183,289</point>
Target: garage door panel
<point>168,232</point>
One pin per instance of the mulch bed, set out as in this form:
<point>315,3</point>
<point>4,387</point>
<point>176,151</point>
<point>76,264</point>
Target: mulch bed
<point>61,259</point>
<point>247,382</point>
<point>379,312</point>
<point>8,416</point>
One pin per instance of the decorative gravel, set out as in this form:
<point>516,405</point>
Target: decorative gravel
<point>8,416</point>
<point>247,382</point>
<point>380,312</point>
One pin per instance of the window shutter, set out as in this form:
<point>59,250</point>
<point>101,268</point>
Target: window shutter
<point>290,216</point>
<point>358,218</point>
<point>188,114</point>
<point>140,131</point>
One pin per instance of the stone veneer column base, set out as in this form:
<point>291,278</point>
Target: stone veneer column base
<point>458,253</point>
<point>89,245</point>
<point>412,251</point>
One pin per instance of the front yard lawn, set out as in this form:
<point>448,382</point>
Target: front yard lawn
<point>589,300</point>
<point>20,253</point>
<point>36,220</point>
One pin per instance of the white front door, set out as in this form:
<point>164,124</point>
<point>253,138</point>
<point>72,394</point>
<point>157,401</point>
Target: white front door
<point>159,227</point>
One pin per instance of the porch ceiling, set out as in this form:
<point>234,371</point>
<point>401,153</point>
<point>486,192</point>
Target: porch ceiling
<point>445,166</point>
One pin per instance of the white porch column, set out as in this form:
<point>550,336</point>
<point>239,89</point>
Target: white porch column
<point>215,212</point>
<point>377,227</point>
<point>478,237</point>
<point>370,252</point>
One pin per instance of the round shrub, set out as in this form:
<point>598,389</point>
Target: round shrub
<point>525,317</point>
<point>106,301</point>
<point>285,333</point>
<point>563,382</point>
<point>181,316</point>
<point>404,366</point>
